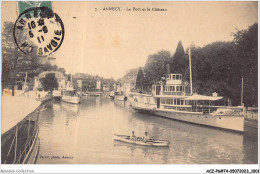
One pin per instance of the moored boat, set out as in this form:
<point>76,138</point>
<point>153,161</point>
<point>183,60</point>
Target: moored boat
<point>171,99</point>
<point>121,97</point>
<point>139,141</point>
<point>69,95</point>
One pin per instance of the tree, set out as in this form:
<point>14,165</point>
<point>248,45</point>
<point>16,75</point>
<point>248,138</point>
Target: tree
<point>49,82</point>
<point>155,67</point>
<point>214,69</point>
<point>140,79</point>
<point>14,62</point>
<point>247,48</point>
<point>220,66</point>
<point>179,61</point>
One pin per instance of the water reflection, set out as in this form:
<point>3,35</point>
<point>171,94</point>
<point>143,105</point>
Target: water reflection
<point>156,154</point>
<point>85,133</point>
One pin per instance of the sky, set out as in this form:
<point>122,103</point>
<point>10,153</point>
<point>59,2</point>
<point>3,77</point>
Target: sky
<point>109,43</point>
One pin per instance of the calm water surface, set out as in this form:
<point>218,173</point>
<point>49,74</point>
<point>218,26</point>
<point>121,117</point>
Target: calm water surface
<point>83,134</point>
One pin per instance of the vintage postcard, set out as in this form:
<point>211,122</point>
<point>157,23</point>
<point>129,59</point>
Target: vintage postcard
<point>120,82</point>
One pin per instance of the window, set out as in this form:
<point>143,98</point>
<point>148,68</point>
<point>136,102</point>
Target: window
<point>180,88</point>
<point>181,102</point>
<point>170,76</point>
<point>175,102</point>
<point>170,88</point>
<point>173,88</point>
<point>178,101</point>
<point>163,101</point>
<point>177,77</point>
<point>173,77</point>
<point>177,88</point>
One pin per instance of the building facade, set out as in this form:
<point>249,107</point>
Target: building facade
<point>128,82</point>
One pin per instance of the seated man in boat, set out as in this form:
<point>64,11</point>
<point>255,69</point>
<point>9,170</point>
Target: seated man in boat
<point>133,137</point>
<point>145,138</point>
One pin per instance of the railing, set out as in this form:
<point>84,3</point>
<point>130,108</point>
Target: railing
<point>251,116</point>
<point>140,92</point>
<point>173,93</point>
<point>186,109</point>
<point>20,145</point>
<point>26,147</point>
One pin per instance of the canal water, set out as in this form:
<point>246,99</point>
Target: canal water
<point>83,134</point>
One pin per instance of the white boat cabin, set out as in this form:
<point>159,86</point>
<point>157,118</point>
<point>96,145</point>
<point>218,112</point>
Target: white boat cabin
<point>173,86</point>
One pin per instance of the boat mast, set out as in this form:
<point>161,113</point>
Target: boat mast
<point>242,86</point>
<point>190,72</point>
<point>25,82</point>
<point>71,83</point>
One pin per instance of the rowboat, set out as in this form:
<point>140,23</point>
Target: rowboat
<point>139,141</point>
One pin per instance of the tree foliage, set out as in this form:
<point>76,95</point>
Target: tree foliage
<point>215,69</point>
<point>155,67</point>
<point>179,61</point>
<point>49,82</point>
<point>14,62</point>
<point>247,52</point>
<point>220,66</point>
<point>140,79</point>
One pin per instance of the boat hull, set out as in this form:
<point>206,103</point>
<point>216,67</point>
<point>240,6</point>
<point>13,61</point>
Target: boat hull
<point>126,139</point>
<point>228,122</point>
<point>70,101</point>
<point>120,98</point>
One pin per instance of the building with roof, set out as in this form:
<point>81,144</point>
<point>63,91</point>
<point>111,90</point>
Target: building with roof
<point>128,82</point>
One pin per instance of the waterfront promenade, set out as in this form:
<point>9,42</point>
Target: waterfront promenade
<point>16,108</point>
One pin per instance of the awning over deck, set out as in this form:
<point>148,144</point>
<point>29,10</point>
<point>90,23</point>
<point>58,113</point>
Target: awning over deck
<point>171,96</point>
<point>202,97</point>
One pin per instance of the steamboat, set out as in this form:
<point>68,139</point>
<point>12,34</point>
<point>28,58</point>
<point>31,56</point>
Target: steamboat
<point>174,99</point>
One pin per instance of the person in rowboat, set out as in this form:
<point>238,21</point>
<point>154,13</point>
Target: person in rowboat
<point>145,138</point>
<point>133,137</point>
